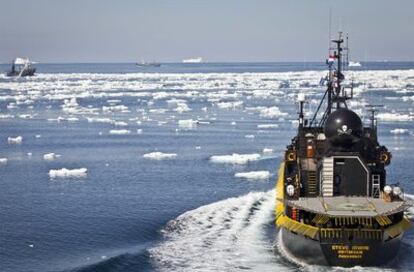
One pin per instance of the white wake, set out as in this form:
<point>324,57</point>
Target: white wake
<point>229,235</point>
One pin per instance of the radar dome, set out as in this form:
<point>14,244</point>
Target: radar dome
<point>343,127</point>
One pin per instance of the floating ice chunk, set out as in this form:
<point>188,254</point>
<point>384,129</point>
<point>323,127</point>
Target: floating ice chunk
<point>119,131</point>
<point>159,156</point>
<point>233,123</point>
<point>26,116</point>
<point>188,124</point>
<point>71,102</point>
<point>15,140</point>
<point>250,136</point>
<point>68,173</point>
<point>230,105</point>
<point>117,108</point>
<point>267,151</point>
<point>121,123</point>
<point>253,175</point>
<point>99,120</point>
<point>158,111</point>
<point>198,147</point>
<point>267,126</point>
<point>113,101</point>
<point>399,131</point>
<point>272,112</point>
<point>262,93</point>
<point>72,119</point>
<point>12,105</point>
<point>50,156</point>
<point>29,154</point>
<point>182,107</point>
<point>175,101</point>
<point>235,158</point>
<point>37,136</point>
<point>6,116</point>
<point>139,131</point>
<point>394,117</point>
<point>3,160</point>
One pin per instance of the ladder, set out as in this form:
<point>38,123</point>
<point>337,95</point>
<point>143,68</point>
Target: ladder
<point>327,176</point>
<point>376,185</point>
<point>312,186</point>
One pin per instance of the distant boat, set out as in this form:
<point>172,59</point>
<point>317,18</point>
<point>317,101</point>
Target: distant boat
<point>354,64</point>
<point>193,60</point>
<point>148,64</point>
<point>21,67</point>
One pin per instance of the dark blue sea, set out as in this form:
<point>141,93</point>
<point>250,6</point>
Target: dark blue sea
<point>112,167</point>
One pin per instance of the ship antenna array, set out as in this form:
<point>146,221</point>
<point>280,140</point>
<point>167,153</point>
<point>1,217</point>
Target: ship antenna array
<point>335,94</point>
<point>373,109</point>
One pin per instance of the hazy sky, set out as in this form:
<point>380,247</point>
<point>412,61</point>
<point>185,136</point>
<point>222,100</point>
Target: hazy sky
<point>217,30</point>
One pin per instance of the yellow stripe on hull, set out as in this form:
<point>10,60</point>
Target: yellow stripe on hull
<point>280,206</point>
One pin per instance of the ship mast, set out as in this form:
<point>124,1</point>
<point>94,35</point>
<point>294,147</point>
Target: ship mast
<point>335,93</point>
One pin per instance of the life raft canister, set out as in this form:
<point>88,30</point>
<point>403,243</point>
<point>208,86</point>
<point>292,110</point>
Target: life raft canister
<point>291,155</point>
<point>385,157</point>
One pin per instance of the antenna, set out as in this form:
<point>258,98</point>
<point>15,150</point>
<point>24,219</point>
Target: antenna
<point>373,109</point>
<point>330,26</point>
<point>347,50</point>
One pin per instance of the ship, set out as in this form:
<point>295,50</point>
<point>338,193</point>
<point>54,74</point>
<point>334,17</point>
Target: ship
<point>21,67</point>
<point>334,205</point>
<point>148,64</point>
<point>193,60</point>
<point>354,64</point>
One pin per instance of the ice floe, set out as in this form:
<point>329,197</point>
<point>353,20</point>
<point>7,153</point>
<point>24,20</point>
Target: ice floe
<point>253,175</point>
<point>15,140</point>
<point>120,124</point>
<point>159,156</point>
<point>119,132</point>
<point>68,173</point>
<point>188,123</point>
<point>267,126</point>
<point>235,158</point>
<point>229,105</point>
<point>3,160</point>
<point>50,156</point>
<point>99,120</point>
<point>399,131</point>
<point>267,151</point>
<point>272,112</point>
<point>394,117</point>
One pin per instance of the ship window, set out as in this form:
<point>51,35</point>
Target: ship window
<point>339,161</point>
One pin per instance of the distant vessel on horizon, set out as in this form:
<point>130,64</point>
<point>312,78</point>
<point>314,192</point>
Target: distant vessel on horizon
<point>354,64</point>
<point>148,64</point>
<point>21,67</point>
<point>193,60</point>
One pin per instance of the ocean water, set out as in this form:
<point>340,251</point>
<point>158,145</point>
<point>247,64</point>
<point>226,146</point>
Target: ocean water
<point>167,151</point>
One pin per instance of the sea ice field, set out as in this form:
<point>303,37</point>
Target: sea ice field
<point>111,167</point>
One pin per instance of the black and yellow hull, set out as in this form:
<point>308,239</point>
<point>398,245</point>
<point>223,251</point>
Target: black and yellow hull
<point>363,252</point>
<point>335,247</point>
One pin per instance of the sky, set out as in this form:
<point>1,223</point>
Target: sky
<point>216,30</point>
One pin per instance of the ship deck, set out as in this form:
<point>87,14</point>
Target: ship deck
<point>348,206</point>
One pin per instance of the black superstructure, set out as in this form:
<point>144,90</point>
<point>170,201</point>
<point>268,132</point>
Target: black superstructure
<point>334,205</point>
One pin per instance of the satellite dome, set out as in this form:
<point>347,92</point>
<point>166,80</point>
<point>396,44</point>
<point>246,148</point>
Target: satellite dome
<point>343,127</point>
